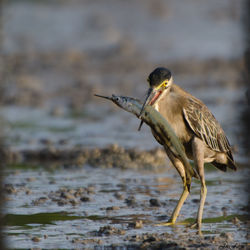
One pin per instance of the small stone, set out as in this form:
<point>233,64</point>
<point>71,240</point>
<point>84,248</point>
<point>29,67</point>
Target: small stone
<point>236,221</point>
<point>71,191</point>
<point>154,202</point>
<point>46,141</point>
<point>130,201</point>
<point>30,179</point>
<point>9,189</point>
<point>137,224</point>
<point>57,111</point>
<point>67,196</point>
<point>119,196</point>
<point>108,230</point>
<point>85,199</point>
<point>35,239</point>
<point>62,203</point>
<point>150,238</point>
<point>40,200</point>
<point>90,190</point>
<point>63,142</point>
<point>248,236</point>
<point>195,200</point>
<point>224,211</point>
<point>227,236</point>
<point>74,202</point>
<point>112,208</point>
<point>76,240</point>
<point>28,191</point>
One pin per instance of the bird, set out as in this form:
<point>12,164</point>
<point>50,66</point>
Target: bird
<point>196,127</point>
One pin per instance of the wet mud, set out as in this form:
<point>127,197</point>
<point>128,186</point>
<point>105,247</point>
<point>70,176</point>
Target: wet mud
<point>50,206</point>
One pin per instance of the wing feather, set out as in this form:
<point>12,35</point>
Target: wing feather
<point>205,126</point>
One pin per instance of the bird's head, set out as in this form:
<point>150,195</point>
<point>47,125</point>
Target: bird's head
<point>159,81</point>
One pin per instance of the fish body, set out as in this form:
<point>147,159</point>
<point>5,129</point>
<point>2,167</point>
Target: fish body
<point>159,125</point>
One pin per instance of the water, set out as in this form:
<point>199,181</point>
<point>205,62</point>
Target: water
<point>63,223</point>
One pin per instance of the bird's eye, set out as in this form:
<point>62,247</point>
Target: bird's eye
<point>164,84</point>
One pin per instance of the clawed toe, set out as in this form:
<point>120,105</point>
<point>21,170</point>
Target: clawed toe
<point>197,225</point>
<point>168,223</point>
<point>194,225</point>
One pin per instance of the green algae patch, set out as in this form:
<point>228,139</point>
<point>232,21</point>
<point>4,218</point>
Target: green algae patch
<point>219,219</point>
<point>23,166</point>
<point>57,129</point>
<point>23,125</point>
<point>39,218</point>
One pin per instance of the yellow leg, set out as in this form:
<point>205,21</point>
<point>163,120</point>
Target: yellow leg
<point>182,172</point>
<point>203,195</point>
<point>177,209</point>
<point>198,153</point>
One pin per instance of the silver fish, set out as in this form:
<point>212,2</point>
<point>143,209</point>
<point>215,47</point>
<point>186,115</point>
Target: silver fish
<point>159,125</point>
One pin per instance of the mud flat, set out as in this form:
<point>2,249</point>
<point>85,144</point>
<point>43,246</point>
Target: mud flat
<point>49,204</point>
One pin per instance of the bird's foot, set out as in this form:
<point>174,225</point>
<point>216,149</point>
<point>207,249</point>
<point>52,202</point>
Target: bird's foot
<point>194,225</point>
<point>170,223</point>
<point>197,225</point>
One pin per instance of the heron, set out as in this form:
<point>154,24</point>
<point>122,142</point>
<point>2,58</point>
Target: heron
<point>196,127</point>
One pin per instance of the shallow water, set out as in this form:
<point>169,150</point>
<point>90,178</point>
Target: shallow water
<point>62,223</point>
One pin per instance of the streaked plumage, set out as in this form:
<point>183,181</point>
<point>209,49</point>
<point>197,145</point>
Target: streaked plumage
<point>206,127</point>
<point>196,127</point>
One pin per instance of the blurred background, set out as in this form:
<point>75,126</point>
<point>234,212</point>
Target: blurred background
<point>56,54</point>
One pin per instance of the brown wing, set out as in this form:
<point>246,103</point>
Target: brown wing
<point>206,127</point>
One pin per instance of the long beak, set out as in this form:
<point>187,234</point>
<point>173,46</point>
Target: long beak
<point>147,100</point>
<point>105,97</point>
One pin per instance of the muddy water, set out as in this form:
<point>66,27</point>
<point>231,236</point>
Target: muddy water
<point>65,208</point>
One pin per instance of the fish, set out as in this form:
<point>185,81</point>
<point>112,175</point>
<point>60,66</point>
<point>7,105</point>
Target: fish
<point>159,125</point>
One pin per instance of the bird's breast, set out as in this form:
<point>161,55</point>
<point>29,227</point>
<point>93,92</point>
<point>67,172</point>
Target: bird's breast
<point>171,109</point>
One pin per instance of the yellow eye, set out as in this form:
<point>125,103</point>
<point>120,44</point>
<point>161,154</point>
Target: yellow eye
<point>162,85</point>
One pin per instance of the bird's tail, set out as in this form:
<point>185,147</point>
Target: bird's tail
<point>231,164</point>
<point>223,167</point>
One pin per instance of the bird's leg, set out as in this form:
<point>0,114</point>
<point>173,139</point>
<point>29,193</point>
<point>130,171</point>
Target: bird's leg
<point>198,153</point>
<point>181,170</point>
<point>178,207</point>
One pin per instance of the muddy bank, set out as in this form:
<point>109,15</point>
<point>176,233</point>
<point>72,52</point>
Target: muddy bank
<point>113,156</point>
<point>110,208</point>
